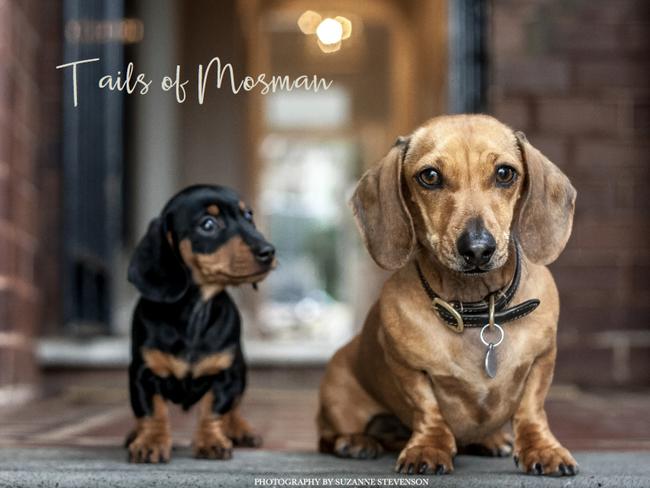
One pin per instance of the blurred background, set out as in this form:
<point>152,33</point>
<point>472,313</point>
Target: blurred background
<point>79,185</point>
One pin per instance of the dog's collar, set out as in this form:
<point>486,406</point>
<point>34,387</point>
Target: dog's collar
<point>458,315</point>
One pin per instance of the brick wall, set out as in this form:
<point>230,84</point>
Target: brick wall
<point>574,75</point>
<point>28,48</point>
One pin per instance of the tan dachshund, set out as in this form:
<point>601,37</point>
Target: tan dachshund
<point>469,214</point>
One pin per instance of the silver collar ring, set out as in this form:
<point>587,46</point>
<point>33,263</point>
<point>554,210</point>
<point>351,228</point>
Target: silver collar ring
<point>494,344</point>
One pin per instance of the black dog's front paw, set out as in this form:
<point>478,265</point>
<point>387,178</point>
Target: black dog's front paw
<point>240,432</point>
<point>213,451</point>
<point>211,443</point>
<point>152,449</point>
<point>247,439</point>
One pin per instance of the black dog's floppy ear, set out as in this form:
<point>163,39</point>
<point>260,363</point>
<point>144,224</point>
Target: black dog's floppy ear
<point>546,208</point>
<point>381,213</point>
<point>155,269</point>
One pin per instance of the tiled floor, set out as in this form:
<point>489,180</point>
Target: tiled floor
<point>91,409</point>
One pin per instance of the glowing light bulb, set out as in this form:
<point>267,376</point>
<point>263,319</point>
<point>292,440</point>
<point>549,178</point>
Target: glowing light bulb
<point>329,31</point>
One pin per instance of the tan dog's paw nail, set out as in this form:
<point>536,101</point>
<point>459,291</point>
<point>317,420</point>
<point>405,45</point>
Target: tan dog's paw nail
<point>549,461</point>
<point>424,460</point>
<point>357,446</point>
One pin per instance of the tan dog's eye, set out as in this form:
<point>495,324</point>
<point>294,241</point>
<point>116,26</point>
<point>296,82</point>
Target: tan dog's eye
<point>429,178</point>
<point>505,175</point>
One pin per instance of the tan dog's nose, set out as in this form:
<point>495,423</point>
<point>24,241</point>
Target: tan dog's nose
<point>476,245</point>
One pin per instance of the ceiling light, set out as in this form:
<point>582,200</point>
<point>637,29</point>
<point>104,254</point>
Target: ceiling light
<point>329,31</point>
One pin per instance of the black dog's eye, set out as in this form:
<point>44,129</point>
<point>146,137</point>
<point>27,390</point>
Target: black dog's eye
<point>208,225</point>
<point>429,178</point>
<point>248,215</point>
<point>505,175</point>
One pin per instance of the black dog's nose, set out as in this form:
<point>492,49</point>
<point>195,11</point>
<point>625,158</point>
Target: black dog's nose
<point>476,245</point>
<point>265,253</point>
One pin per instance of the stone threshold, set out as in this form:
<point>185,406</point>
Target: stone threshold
<point>115,352</point>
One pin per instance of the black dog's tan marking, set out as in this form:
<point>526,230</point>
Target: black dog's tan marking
<point>165,364</point>
<point>213,364</point>
<point>186,329</point>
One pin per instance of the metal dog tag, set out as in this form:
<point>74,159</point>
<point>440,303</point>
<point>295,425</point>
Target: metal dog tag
<point>491,361</point>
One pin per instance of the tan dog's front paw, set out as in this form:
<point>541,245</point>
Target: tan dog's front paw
<point>357,446</point>
<point>553,461</point>
<point>424,460</point>
<point>150,448</point>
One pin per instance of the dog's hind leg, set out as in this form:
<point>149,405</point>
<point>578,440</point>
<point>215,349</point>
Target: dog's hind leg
<point>345,410</point>
<point>497,444</point>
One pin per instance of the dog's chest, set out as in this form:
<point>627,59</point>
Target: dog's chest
<point>192,345</point>
<point>165,364</point>
<point>471,401</point>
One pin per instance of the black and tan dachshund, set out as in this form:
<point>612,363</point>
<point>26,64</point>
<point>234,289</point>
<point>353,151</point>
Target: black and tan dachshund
<point>186,328</point>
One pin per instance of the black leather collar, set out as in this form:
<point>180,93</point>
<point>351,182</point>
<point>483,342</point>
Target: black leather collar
<point>459,315</point>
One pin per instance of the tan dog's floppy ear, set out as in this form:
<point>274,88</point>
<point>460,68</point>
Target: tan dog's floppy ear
<point>546,208</point>
<point>380,211</point>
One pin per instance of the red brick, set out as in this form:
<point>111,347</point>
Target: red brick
<point>611,233</point>
<point>509,31</point>
<point>609,74</point>
<point>620,11</point>
<point>572,35</point>
<point>22,155</point>
<point>5,196</point>
<point>641,117</point>
<point>569,116</point>
<point>6,300</point>
<point>513,112</point>
<point>17,366</point>
<point>25,213</point>
<point>639,362</point>
<point>24,314</point>
<point>7,254</point>
<point>598,157</point>
<point>533,75</point>
<point>633,316</point>
<point>635,36</point>
<point>595,198</point>
<point>574,318</point>
<point>25,262</point>
<point>604,277</point>
<point>554,147</point>
<point>584,365</point>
